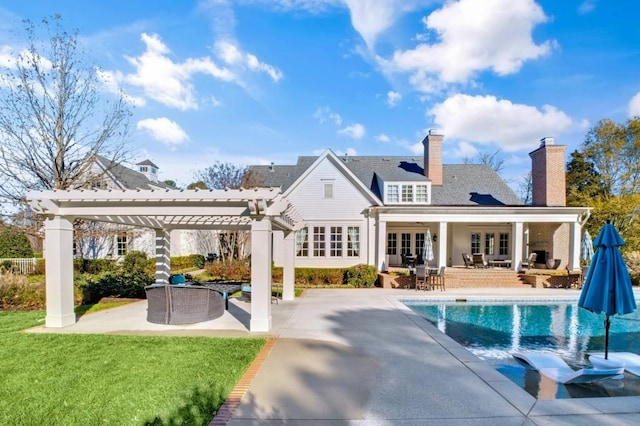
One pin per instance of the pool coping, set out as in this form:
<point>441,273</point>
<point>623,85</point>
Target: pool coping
<point>501,384</point>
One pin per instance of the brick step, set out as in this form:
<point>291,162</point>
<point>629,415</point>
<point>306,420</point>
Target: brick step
<point>466,278</point>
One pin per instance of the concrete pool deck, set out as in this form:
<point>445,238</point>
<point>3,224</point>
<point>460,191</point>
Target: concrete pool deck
<point>360,356</point>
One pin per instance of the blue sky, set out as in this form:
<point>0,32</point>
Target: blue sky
<point>260,81</point>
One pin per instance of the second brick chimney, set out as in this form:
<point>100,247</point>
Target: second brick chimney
<point>548,174</point>
<point>433,157</point>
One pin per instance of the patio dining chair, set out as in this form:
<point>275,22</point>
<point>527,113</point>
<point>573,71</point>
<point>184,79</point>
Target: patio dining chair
<point>437,280</point>
<point>422,278</point>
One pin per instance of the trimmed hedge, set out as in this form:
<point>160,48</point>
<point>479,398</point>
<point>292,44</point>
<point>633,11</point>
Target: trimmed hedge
<point>355,276</point>
<point>114,284</point>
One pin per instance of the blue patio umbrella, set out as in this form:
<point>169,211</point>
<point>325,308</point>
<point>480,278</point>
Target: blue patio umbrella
<point>607,287</point>
<point>427,249</point>
<point>586,248</point>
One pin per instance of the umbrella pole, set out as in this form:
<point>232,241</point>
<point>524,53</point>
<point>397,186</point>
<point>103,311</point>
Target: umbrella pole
<point>607,323</point>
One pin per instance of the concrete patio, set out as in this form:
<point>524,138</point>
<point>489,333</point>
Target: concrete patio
<point>359,356</point>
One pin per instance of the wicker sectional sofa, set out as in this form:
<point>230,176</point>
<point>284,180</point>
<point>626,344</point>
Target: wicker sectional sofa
<point>182,304</point>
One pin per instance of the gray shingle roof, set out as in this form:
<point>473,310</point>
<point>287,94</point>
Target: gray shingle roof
<point>128,178</point>
<point>463,184</point>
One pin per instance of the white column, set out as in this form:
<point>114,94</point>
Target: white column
<point>163,256</point>
<point>59,272</point>
<point>574,245</point>
<point>289,270</point>
<point>517,231</point>
<point>261,275</point>
<point>442,244</point>
<point>381,243</point>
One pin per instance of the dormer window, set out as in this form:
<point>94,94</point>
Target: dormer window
<point>144,169</point>
<point>407,193</point>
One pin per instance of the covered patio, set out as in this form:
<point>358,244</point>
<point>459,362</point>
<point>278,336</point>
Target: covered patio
<point>264,212</point>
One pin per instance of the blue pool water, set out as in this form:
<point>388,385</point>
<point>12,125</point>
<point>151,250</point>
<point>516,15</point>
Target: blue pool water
<point>493,331</point>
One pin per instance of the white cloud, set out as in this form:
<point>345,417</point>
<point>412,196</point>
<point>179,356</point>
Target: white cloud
<point>110,81</point>
<point>487,120</point>
<point>166,81</point>
<point>325,114</point>
<point>587,6</point>
<point>634,105</point>
<point>354,131</point>
<point>383,138</point>
<point>393,98</point>
<point>231,54</point>
<point>163,130</point>
<point>465,150</point>
<point>473,36</point>
<point>313,6</point>
<point>371,18</point>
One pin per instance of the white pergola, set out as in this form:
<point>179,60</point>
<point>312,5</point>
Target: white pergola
<point>263,211</point>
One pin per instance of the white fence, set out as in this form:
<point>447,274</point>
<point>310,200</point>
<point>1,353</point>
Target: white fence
<point>24,266</point>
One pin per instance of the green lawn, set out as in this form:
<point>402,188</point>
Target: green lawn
<point>54,379</point>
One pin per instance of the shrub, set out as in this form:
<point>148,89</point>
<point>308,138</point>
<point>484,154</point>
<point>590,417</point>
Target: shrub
<point>92,266</point>
<point>197,260</point>
<point>137,261</point>
<point>17,293</point>
<point>40,267</point>
<point>129,284</point>
<point>6,266</point>
<point>361,276</point>
<point>14,243</point>
<point>632,260</point>
<point>233,270</point>
<point>319,276</point>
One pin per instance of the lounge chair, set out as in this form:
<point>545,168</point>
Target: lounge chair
<point>554,367</point>
<point>468,260</point>
<point>479,261</point>
<point>530,261</point>
<point>628,360</point>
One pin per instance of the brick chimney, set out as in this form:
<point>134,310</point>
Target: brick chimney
<point>433,157</point>
<point>548,174</point>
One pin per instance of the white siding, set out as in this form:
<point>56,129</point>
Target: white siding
<point>345,209</point>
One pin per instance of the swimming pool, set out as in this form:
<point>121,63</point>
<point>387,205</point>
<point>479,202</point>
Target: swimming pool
<point>493,330</point>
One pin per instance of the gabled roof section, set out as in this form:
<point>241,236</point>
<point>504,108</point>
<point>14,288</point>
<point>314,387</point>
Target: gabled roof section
<point>146,163</point>
<point>328,155</point>
<point>463,184</point>
<point>126,178</point>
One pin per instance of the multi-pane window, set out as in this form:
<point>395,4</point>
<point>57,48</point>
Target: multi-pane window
<point>302,242</point>
<point>421,194</point>
<point>319,241</point>
<point>407,193</point>
<point>489,243</point>
<point>353,241</point>
<point>392,243</point>
<point>475,242</point>
<point>504,243</point>
<point>392,194</point>
<point>419,244</point>
<point>405,243</point>
<point>335,249</point>
<point>122,244</point>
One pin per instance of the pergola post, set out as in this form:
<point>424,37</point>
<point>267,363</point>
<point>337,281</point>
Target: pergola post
<point>442,244</point>
<point>163,256</point>
<point>289,270</point>
<point>59,272</point>
<point>261,257</point>
<point>381,242</point>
